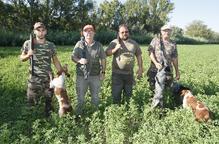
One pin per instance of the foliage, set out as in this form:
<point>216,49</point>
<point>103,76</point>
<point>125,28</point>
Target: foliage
<point>198,29</point>
<point>177,33</point>
<point>70,15</point>
<point>110,13</point>
<point>158,14</point>
<point>133,123</point>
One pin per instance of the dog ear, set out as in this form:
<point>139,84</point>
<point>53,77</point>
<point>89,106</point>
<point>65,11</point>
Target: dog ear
<point>182,92</point>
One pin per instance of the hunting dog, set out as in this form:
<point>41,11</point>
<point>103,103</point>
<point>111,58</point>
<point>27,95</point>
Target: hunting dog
<point>58,83</point>
<point>200,111</point>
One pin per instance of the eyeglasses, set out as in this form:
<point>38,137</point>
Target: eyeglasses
<point>88,31</point>
<point>124,32</point>
<point>40,30</point>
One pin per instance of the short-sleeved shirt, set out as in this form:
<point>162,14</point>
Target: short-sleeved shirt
<point>93,53</point>
<point>124,58</point>
<point>42,57</point>
<point>170,51</point>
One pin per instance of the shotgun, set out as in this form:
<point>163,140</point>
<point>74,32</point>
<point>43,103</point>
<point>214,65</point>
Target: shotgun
<point>83,67</point>
<point>32,59</point>
<point>31,37</point>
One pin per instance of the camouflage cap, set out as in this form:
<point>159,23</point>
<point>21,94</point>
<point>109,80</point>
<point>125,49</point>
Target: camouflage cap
<point>166,27</point>
<point>39,24</point>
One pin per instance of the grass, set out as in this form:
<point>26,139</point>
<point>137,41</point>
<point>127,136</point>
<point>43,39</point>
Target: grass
<point>111,123</point>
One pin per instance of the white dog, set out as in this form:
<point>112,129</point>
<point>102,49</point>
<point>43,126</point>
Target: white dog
<point>58,83</point>
<point>199,109</point>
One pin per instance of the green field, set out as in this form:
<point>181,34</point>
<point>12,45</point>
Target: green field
<point>111,124</point>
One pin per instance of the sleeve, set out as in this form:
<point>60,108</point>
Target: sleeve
<point>111,45</point>
<point>75,51</point>
<point>138,50</point>
<point>53,49</point>
<point>25,47</point>
<point>151,46</point>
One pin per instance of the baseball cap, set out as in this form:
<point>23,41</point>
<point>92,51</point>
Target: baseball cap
<point>39,24</point>
<point>86,27</point>
<point>166,27</point>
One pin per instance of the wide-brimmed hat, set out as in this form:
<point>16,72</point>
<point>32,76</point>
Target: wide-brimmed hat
<point>166,27</point>
<point>38,25</point>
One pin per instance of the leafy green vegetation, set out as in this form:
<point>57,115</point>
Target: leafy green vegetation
<point>111,123</point>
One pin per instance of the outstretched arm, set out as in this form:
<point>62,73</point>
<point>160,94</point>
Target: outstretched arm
<point>57,64</point>
<point>175,64</point>
<point>103,69</point>
<point>140,66</point>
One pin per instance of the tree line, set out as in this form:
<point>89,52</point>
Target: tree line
<point>69,15</point>
<point>64,19</point>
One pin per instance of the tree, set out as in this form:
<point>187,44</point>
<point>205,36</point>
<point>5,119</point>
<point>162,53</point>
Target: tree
<point>110,14</point>
<point>177,33</point>
<point>134,14</point>
<point>198,29</point>
<point>158,14</point>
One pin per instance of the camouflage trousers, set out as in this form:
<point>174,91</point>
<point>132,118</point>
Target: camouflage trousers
<point>37,87</point>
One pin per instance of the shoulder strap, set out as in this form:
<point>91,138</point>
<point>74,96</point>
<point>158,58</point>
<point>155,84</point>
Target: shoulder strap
<point>163,52</point>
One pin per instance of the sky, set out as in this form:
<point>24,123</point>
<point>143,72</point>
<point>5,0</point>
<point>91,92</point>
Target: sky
<point>186,11</point>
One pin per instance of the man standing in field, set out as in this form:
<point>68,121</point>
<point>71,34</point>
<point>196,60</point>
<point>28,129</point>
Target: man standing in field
<point>43,53</point>
<point>90,60</point>
<point>163,54</point>
<point>124,51</point>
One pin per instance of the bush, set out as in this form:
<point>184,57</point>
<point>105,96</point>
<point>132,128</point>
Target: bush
<point>63,38</point>
<point>11,38</point>
<point>142,39</point>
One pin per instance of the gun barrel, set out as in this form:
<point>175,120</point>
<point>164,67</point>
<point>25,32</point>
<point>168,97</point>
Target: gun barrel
<point>31,59</point>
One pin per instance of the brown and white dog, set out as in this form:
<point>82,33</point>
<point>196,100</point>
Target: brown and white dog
<point>200,111</point>
<point>58,83</point>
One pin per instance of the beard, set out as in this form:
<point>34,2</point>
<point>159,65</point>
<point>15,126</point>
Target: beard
<point>41,37</point>
<point>125,38</point>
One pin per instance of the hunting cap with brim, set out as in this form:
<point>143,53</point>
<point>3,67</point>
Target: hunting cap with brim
<point>166,27</point>
<point>39,25</point>
<point>86,27</point>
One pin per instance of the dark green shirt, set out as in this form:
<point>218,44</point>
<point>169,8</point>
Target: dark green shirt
<point>93,54</point>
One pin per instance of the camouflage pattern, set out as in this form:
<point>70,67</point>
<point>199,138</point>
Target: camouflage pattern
<point>170,53</point>
<point>38,85</point>
<point>94,54</point>
<point>42,57</point>
<point>124,58</point>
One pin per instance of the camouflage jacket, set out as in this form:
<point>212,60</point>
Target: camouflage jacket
<point>170,51</point>
<point>42,57</point>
